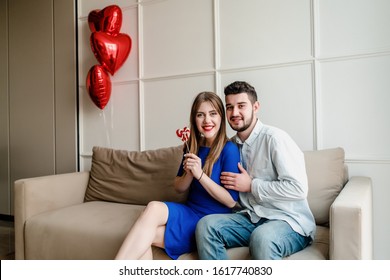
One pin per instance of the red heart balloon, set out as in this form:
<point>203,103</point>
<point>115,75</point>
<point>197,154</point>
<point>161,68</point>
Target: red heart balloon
<point>108,20</point>
<point>99,86</point>
<point>110,51</point>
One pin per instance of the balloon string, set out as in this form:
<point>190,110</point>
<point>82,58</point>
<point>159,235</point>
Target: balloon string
<point>106,129</point>
<point>112,116</point>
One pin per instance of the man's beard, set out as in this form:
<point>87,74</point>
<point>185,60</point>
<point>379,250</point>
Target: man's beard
<point>244,126</point>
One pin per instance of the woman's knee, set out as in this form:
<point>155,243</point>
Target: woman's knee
<point>155,209</point>
<point>154,206</point>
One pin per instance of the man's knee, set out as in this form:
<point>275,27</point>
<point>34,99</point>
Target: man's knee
<point>205,225</point>
<point>258,238</point>
<point>263,246</point>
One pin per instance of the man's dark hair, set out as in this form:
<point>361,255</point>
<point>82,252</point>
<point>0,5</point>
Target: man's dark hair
<point>241,87</point>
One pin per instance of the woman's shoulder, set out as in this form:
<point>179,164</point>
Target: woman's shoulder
<point>230,156</point>
<point>230,146</point>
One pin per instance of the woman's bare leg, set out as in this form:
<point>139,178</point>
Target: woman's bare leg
<point>148,255</point>
<point>158,242</point>
<point>148,230</point>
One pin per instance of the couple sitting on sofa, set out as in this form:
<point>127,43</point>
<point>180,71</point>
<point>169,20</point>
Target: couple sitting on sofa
<point>273,217</point>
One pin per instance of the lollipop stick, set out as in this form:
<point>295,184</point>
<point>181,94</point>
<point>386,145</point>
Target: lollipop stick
<point>188,149</point>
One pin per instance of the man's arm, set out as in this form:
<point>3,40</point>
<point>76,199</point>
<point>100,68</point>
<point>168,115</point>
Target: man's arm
<point>290,182</point>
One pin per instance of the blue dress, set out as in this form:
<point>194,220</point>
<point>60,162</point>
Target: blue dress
<point>182,218</point>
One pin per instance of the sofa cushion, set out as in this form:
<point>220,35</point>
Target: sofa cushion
<point>97,229</point>
<point>88,231</point>
<point>325,172</point>
<point>318,250</point>
<point>134,177</point>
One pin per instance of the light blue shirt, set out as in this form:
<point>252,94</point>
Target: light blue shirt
<point>279,181</point>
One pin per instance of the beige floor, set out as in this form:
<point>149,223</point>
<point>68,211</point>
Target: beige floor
<point>7,240</point>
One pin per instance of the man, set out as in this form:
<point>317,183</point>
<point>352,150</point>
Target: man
<point>274,219</point>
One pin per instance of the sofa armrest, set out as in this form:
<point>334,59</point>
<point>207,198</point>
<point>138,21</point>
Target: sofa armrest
<point>36,195</point>
<point>351,221</point>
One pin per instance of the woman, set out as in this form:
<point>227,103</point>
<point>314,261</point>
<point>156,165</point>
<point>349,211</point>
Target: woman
<point>171,225</point>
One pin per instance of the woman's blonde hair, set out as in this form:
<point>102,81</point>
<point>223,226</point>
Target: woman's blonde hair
<point>197,139</point>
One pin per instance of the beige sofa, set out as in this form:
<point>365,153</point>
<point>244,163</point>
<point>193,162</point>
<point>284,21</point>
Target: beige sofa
<point>86,215</point>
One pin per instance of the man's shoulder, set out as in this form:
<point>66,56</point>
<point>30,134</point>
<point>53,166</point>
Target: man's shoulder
<point>273,131</point>
<point>278,137</point>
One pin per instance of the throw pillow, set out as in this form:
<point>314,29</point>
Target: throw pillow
<point>325,172</point>
<point>134,177</point>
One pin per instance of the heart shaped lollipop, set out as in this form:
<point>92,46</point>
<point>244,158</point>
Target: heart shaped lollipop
<point>184,135</point>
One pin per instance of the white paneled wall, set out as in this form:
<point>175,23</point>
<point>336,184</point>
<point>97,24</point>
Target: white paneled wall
<point>347,27</point>
<point>321,69</point>
<point>261,32</point>
<point>355,105</point>
<point>178,41</point>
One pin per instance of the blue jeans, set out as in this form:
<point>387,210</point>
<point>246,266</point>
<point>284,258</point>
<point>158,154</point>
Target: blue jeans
<point>266,239</point>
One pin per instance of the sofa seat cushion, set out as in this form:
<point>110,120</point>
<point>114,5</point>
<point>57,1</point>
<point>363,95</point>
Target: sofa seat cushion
<point>318,250</point>
<point>92,230</point>
<point>95,231</point>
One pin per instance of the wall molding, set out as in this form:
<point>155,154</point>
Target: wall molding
<point>358,55</point>
<point>367,161</point>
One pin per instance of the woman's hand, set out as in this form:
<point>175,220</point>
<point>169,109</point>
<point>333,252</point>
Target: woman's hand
<point>192,164</point>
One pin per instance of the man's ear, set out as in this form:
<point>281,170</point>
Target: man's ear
<point>256,106</point>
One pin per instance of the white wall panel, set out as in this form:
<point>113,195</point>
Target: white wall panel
<point>355,106</point>
<point>85,163</point>
<point>286,99</point>
<point>347,27</point>
<point>86,6</point>
<point>177,42</point>
<point>167,107</point>
<point>116,126</point>
<point>258,32</point>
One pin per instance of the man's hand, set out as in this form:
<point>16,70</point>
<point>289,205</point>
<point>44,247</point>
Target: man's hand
<point>239,182</point>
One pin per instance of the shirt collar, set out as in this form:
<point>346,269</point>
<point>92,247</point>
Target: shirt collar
<point>252,137</point>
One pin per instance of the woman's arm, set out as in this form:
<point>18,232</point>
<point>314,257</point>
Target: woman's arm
<point>192,164</point>
<point>182,183</point>
<point>217,192</point>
